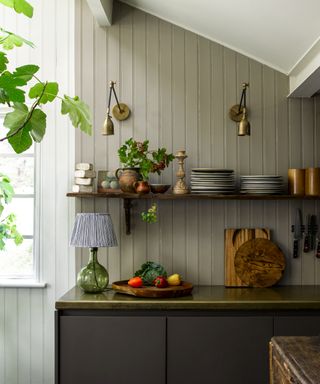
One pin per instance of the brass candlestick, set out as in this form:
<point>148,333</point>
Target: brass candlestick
<point>180,188</point>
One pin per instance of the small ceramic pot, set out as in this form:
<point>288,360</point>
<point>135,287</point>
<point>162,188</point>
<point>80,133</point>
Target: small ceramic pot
<point>127,177</point>
<point>141,187</point>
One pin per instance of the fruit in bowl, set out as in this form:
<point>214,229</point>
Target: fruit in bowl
<point>159,188</point>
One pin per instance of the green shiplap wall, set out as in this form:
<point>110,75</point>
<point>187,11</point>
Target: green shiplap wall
<point>180,87</point>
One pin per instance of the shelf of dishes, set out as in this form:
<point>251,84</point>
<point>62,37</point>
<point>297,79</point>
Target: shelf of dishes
<point>188,196</point>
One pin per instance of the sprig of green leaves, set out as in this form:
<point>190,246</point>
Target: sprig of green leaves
<point>8,228</point>
<point>151,215</point>
<point>9,40</point>
<point>20,6</point>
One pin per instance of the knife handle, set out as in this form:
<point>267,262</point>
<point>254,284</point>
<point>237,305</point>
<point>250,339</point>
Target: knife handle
<point>318,250</point>
<point>306,247</point>
<point>295,248</point>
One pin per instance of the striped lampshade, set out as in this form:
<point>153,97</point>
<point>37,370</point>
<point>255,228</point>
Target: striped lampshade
<point>93,230</point>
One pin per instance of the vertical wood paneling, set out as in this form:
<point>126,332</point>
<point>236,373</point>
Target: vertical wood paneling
<point>217,157</point>
<point>100,100</point>
<point>192,134</point>
<point>307,127</point>
<point>243,142</point>
<point>139,123</point>
<point>181,87</point>
<point>165,128</point>
<point>113,143</point>
<point>125,127</point>
<point>152,114</point>
<point>179,142</point>
<point>204,132</point>
<point>24,336</point>
<point>26,315</point>
<point>256,138</point>
<point>87,93</point>
<point>2,336</point>
<point>316,113</point>
<point>11,336</point>
<point>281,232</point>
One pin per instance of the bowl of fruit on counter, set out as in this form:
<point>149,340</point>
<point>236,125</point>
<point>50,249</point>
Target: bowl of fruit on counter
<point>152,280</point>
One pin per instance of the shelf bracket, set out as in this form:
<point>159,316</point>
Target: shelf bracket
<point>127,205</point>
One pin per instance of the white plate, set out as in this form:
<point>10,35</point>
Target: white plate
<point>212,177</point>
<point>213,193</point>
<point>217,170</point>
<point>261,193</point>
<point>261,187</point>
<point>266,182</point>
<point>260,176</point>
<point>213,188</point>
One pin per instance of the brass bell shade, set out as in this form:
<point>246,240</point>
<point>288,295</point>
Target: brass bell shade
<point>244,125</point>
<point>239,113</point>
<point>120,111</point>
<point>108,127</point>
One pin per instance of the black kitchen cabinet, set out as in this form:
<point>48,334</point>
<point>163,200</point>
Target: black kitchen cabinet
<point>297,325</point>
<point>218,349</point>
<point>217,335</point>
<point>112,350</point>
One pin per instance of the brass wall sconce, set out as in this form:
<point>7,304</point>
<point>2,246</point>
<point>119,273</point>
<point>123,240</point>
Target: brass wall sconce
<point>239,113</point>
<point>120,111</point>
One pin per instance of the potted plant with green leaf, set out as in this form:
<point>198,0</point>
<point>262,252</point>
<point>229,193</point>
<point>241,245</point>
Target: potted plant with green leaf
<point>138,162</point>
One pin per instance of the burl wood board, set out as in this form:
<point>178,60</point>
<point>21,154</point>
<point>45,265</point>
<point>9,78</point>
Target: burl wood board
<point>233,239</point>
<point>184,289</point>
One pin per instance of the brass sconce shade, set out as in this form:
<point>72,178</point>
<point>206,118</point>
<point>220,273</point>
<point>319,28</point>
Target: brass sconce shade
<point>239,113</point>
<point>120,111</point>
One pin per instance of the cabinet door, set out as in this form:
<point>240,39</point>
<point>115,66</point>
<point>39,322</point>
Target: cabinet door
<point>218,350</point>
<point>112,350</point>
<point>297,325</point>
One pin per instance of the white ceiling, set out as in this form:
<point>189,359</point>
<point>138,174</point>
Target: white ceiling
<point>275,32</point>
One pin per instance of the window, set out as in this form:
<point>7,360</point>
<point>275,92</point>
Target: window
<point>19,261</point>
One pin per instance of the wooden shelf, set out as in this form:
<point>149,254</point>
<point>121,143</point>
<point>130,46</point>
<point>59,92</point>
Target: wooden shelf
<point>128,197</point>
<point>190,196</point>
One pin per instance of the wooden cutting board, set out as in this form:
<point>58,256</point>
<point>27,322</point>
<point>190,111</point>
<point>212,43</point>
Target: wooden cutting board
<point>233,239</point>
<point>259,263</point>
<point>153,292</point>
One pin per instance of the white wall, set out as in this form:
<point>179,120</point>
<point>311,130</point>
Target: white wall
<point>27,315</point>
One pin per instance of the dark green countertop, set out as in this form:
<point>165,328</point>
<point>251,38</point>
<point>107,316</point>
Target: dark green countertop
<point>203,298</point>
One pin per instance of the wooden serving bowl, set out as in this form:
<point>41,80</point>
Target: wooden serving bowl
<point>159,188</point>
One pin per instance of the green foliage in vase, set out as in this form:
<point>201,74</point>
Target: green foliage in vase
<point>136,154</point>
<point>26,95</point>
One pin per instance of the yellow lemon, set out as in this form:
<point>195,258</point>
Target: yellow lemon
<point>174,279</point>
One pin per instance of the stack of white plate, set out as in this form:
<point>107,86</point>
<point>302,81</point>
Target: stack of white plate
<point>261,184</point>
<point>212,181</point>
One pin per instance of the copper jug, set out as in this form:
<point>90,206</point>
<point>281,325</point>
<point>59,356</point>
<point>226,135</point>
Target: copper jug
<point>141,187</point>
<point>127,177</point>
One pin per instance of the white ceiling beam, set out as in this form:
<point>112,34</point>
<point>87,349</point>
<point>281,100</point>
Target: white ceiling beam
<point>102,11</point>
<point>305,75</point>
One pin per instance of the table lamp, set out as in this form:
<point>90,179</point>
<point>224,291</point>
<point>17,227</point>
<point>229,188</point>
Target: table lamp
<point>93,230</point>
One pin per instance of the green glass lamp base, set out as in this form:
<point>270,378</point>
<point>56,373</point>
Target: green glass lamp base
<point>93,278</point>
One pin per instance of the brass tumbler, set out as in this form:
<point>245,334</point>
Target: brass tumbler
<point>296,181</point>
<point>312,182</point>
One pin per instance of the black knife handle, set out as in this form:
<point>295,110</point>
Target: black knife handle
<point>318,250</point>
<point>295,248</point>
<point>306,247</point>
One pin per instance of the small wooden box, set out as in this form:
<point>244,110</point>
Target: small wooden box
<point>295,359</point>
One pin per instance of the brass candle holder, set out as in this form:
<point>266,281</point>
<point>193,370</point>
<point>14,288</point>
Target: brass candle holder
<point>180,187</point>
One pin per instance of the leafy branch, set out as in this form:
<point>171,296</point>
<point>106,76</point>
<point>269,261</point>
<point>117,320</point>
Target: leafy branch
<point>27,124</point>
